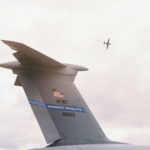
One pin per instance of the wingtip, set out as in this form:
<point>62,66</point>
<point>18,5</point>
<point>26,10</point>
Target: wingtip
<point>4,41</point>
<point>10,44</point>
<point>7,42</point>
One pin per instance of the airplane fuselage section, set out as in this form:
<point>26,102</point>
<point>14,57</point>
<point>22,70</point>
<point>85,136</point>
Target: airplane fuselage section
<point>98,147</point>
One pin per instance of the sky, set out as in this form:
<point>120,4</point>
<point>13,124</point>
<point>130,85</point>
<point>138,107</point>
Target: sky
<point>117,85</point>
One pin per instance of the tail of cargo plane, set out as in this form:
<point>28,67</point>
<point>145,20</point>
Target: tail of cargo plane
<point>60,110</point>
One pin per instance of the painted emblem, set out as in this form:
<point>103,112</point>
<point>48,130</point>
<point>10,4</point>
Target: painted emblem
<point>57,94</point>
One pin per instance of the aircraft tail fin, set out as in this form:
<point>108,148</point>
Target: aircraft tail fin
<point>59,108</point>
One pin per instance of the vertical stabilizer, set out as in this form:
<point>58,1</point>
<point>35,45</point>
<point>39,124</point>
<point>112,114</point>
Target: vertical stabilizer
<point>61,112</point>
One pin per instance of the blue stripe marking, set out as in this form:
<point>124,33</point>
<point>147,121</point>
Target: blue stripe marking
<point>37,103</point>
<point>58,107</point>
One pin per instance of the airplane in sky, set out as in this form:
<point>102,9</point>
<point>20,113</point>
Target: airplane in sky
<point>63,116</point>
<point>107,43</point>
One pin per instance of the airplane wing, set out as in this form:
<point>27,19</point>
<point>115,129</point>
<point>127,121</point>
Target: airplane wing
<point>27,55</point>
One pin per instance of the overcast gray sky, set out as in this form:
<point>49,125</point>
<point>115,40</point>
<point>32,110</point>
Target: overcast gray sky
<point>117,85</point>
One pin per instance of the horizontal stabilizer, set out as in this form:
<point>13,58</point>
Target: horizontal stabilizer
<point>27,55</point>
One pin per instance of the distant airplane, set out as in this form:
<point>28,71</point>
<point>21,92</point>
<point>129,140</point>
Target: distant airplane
<point>65,120</point>
<point>107,43</point>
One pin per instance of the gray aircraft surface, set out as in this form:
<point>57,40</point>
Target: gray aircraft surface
<point>63,116</point>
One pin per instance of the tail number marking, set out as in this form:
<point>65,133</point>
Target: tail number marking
<point>68,114</point>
